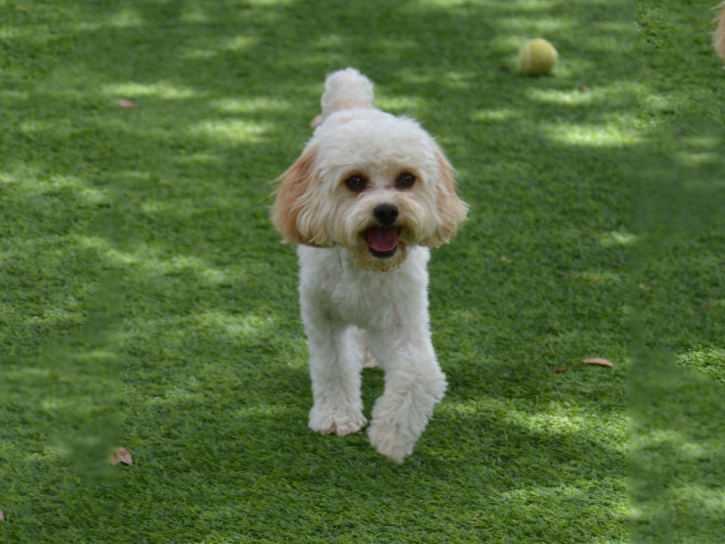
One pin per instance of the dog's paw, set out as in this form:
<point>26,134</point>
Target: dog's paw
<point>389,442</point>
<point>336,423</point>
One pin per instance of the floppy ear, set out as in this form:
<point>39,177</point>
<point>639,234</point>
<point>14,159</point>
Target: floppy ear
<point>292,195</point>
<point>451,209</point>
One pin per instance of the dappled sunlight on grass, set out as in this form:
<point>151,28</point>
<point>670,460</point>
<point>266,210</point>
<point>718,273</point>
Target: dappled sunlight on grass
<point>569,98</point>
<point>591,135</point>
<point>194,13</point>
<point>711,361</point>
<point>32,183</point>
<point>326,41</point>
<point>232,131</point>
<point>238,43</point>
<point>442,3</point>
<point>534,27</point>
<point>702,141</point>
<point>524,6</point>
<point>617,238</point>
<point>238,328</point>
<point>27,372</point>
<point>250,105</point>
<point>399,105</point>
<point>509,45</point>
<point>562,423</point>
<point>677,442</point>
<point>497,115</point>
<point>199,158</point>
<point>458,79</point>
<point>563,492</point>
<point>695,159</point>
<point>270,2</point>
<point>80,405</point>
<point>195,53</point>
<point>417,77</point>
<point>209,48</point>
<point>161,89</point>
<point>657,103</point>
<point>51,316</point>
<point>190,391</point>
<point>556,419</point>
<point>62,126</point>
<point>13,33</point>
<point>148,260</point>
<point>263,410</point>
<point>20,96</point>
<point>698,497</point>
<point>125,18</point>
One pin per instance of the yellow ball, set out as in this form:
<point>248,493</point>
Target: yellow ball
<point>537,58</point>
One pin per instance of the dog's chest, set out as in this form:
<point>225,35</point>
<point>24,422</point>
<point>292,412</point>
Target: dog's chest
<point>366,298</point>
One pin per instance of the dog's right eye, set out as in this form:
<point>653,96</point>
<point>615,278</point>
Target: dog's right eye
<point>356,183</point>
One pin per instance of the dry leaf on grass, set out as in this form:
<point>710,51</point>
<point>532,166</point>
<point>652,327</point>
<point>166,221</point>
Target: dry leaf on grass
<point>2,515</point>
<point>598,361</point>
<point>126,104</point>
<point>559,369</point>
<point>121,455</point>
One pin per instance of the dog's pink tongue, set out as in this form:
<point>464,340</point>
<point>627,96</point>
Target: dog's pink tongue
<point>382,240</point>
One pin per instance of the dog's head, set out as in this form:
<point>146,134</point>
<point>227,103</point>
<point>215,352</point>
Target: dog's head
<point>371,182</point>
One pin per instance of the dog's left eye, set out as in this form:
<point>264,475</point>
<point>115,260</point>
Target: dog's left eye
<point>405,181</point>
<point>355,183</point>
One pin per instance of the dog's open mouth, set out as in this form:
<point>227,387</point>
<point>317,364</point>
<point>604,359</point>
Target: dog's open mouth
<point>382,243</point>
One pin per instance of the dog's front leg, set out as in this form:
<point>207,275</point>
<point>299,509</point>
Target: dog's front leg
<point>335,366</point>
<point>414,384</point>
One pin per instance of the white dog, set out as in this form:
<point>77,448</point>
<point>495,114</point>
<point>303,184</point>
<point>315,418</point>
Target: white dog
<point>367,198</point>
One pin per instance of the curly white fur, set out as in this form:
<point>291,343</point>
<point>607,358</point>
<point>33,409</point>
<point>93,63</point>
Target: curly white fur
<point>367,198</point>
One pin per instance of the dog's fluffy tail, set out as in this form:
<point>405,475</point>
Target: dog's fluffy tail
<point>718,38</point>
<point>344,90</point>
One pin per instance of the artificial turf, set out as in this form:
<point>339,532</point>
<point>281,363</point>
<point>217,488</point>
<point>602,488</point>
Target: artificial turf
<point>677,460</point>
<point>147,301</point>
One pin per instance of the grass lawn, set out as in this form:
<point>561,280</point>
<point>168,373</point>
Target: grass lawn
<point>677,461</point>
<point>147,300</point>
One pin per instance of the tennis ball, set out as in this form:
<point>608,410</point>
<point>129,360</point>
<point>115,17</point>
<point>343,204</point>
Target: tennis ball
<point>537,58</point>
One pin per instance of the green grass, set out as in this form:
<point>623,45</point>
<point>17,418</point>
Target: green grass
<point>147,301</point>
<point>677,433</point>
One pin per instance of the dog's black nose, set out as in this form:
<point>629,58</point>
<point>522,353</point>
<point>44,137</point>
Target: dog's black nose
<point>386,214</point>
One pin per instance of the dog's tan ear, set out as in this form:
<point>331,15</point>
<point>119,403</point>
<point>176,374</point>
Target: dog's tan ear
<point>292,195</point>
<point>451,209</point>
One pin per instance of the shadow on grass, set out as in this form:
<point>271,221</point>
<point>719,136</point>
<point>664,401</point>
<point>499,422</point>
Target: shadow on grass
<point>677,430</point>
<point>679,322</point>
